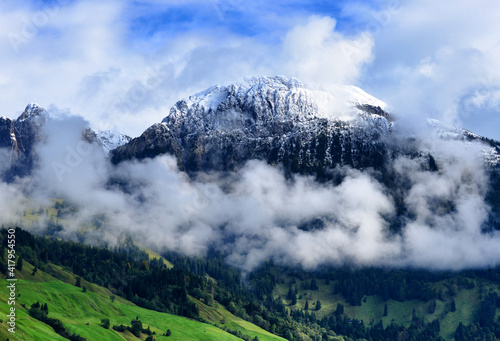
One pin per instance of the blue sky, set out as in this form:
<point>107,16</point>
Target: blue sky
<point>122,64</point>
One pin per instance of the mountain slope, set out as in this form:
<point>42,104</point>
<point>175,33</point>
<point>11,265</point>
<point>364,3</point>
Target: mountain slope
<point>19,137</point>
<point>282,121</point>
<point>307,131</point>
<point>370,309</point>
<point>272,119</point>
<point>82,312</point>
<point>107,139</point>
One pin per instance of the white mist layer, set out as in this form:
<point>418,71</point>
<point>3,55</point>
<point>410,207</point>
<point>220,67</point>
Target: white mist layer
<point>255,214</point>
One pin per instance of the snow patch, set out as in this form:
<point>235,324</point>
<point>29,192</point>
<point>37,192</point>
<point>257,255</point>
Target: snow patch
<point>271,99</point>
<point>208,99</point>
<point>111,139</point>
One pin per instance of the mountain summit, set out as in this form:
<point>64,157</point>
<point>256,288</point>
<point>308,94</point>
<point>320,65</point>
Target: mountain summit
<point>269,118</point>
<point>263,101</point>
<point>18,137</point>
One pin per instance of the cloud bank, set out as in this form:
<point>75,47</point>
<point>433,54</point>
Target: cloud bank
<point>257,214</point>
<point>100,61</point>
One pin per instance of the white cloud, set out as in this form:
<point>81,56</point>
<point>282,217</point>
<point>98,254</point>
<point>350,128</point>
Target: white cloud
<point>431,55</point>
<point>84,58</point>
<point>449,209</point>
<point>317,53</point>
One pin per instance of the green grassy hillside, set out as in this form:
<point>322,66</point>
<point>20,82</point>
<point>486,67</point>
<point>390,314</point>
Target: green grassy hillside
<point>221,317</point>
<point>152,254</point>
<point>82,312</point>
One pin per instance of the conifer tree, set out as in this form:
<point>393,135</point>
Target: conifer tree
<point>318,305</point>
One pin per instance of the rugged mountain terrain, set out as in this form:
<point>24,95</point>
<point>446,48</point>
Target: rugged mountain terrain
<point>309,131</point>
<point>304,130</point>
<point>107,139</point>
<point>18,138</point>
<point>275,119</point>
<point>272,119</point>
<point>283,122</point>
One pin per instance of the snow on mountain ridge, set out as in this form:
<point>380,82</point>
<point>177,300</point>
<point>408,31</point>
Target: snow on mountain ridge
<point>111,139</point>
<point>448,131</point>
<point>445,131</point>
<point>269,118</point>
<point>34,114</point>
<point>29,127</point>
<point>262,101</point>
<point>33,110</point>
<point>38,117</point>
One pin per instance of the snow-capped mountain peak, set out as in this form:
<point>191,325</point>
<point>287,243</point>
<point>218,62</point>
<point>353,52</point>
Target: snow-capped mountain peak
<point>266,101</point>
<point>270,118</point>
<point>34,112</point>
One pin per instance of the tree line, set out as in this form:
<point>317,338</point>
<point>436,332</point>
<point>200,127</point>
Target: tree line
<point>129,272</point>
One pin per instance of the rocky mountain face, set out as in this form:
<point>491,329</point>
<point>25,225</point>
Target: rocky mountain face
<point>306,131</point>
<point>7,132</point>
<point>19,137</point>
<point>281,121</point>
<point>107,139</point>
<point>273,119</point>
